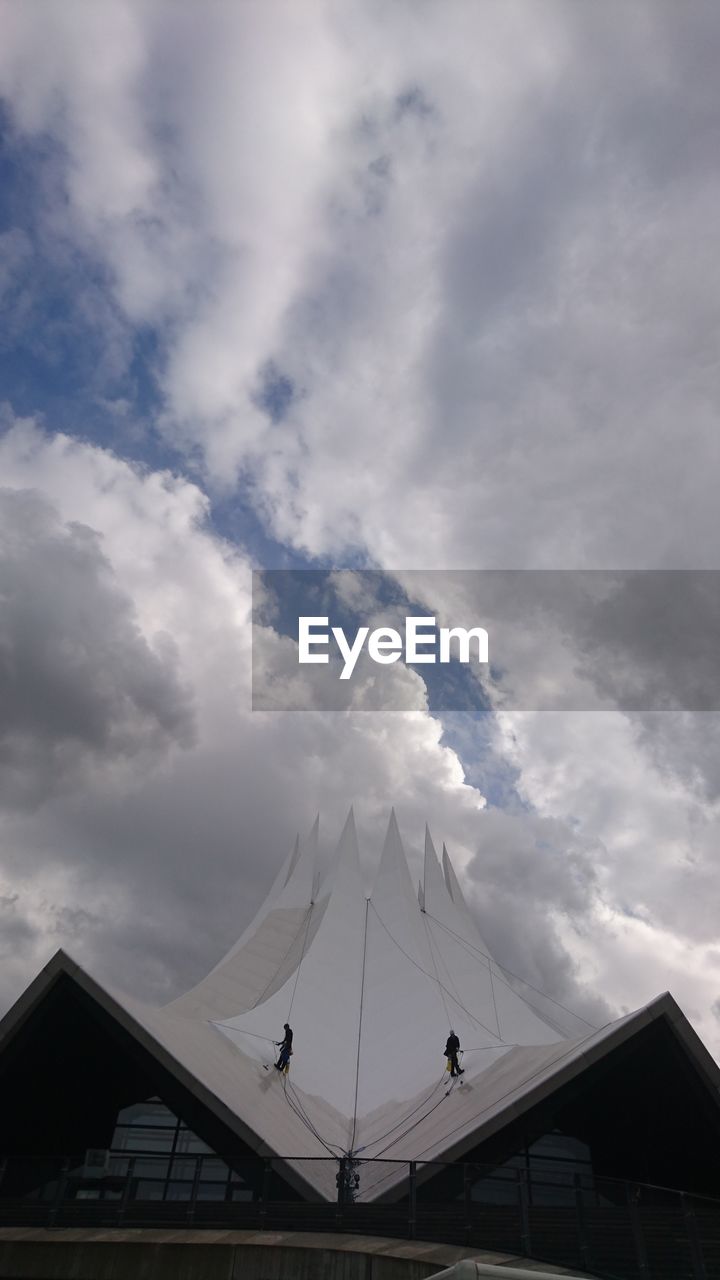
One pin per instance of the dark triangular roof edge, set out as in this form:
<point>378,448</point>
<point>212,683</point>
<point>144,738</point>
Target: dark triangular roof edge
<point>11,1021</point>
<point>62,965</point>
<point>546,1081</point>
<point>578,1059</point>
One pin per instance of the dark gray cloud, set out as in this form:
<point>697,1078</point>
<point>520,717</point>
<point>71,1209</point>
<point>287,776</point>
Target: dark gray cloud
<point>477,255</point>
<point>563,868</point>
<point>79,683</point>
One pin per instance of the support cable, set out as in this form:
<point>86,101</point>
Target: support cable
<point>302,957</point>
<point>241,1031</point>
<point>471,947</point>
<point>459,1003</point>
<point>382,1136</point>
<point>509,1092</point>
<point>446,967</point>
<point>289,1092</point>
<point>437,975</point>
<point>295,1105</point>
<point>362,995</point>
<point>415,1123</point>
<point>492,992</point>
<point>490,1048</point>
<point>268,984</point>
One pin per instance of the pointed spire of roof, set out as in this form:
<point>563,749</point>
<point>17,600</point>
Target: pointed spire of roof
<point>394,899</point>
<point>466,923</point>
<point>452,882</point>
<point>435,892</point>
<point>281,879</point>
<point>393,874</point>
<point>343,968</point>
<point>319,987</point>
<point>346,861</point>
<point>299,886</point>
<point>247,969</point>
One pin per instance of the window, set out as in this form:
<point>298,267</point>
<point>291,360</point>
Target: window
<point>554,1162</point>
<point>165,1155</point>
<point>143,1139</point>
<point>551,1164</point>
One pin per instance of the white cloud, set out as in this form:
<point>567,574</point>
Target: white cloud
<point>161,860</point>
<point>481,243</point>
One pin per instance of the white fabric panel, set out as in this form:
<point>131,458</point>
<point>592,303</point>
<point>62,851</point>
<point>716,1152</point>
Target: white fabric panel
<point>371,988</point>
<point>558,1021</point>
<point>456,893</point>
<point>276,889</point>
<point>322,998</point>
<point>406,1019</point>
<point>257,1103</point>
<point>474,977</point>
<point>242,980</point>
<point>258,962</point>
<point>451,911</point>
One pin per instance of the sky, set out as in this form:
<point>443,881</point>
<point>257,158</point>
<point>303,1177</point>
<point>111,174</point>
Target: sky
<point>331,285</point>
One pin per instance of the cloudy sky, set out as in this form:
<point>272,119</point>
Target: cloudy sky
<point>413,286</point>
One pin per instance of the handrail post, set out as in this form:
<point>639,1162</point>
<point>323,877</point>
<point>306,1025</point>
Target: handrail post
<point>524,1199</point>
<point>122,1207</point>
<point>581,1225</point>
<point>696,1251</point>
<point>412,1199</point>
<point>639,1240</point>
<point>341,1185</point>
<point>265,1191</point>
<point>195,1185</point>
<point>59,1193</point>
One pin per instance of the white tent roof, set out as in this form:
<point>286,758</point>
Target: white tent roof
<point>371,986</point>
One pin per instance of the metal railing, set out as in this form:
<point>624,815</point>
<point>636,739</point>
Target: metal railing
<point>613,1229</point>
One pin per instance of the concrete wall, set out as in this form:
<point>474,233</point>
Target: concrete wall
<point>185,1254</point>
<point>130,1260</point>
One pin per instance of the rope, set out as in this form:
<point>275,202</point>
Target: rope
<point>475,952</point>
<point>242,1031</point>
<point>509,1092</point>
<point>437,975</point>
<point>293,1101</point>
<point>446,967</point>
<point>362,996</point>
<point>470,1015</point>
<point>381,1137</point>
<point>255,1034</point>
<point>268,985</point>
<point>415,1123</point>
<point>302,957</point>
<point>490,1048</point>
<point>492,992</point>
<point>302,1116</point>
<point>516,976</point>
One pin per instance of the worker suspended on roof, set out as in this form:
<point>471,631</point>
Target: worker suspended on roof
<point>285,1047</point>
<point>452,1049</point>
